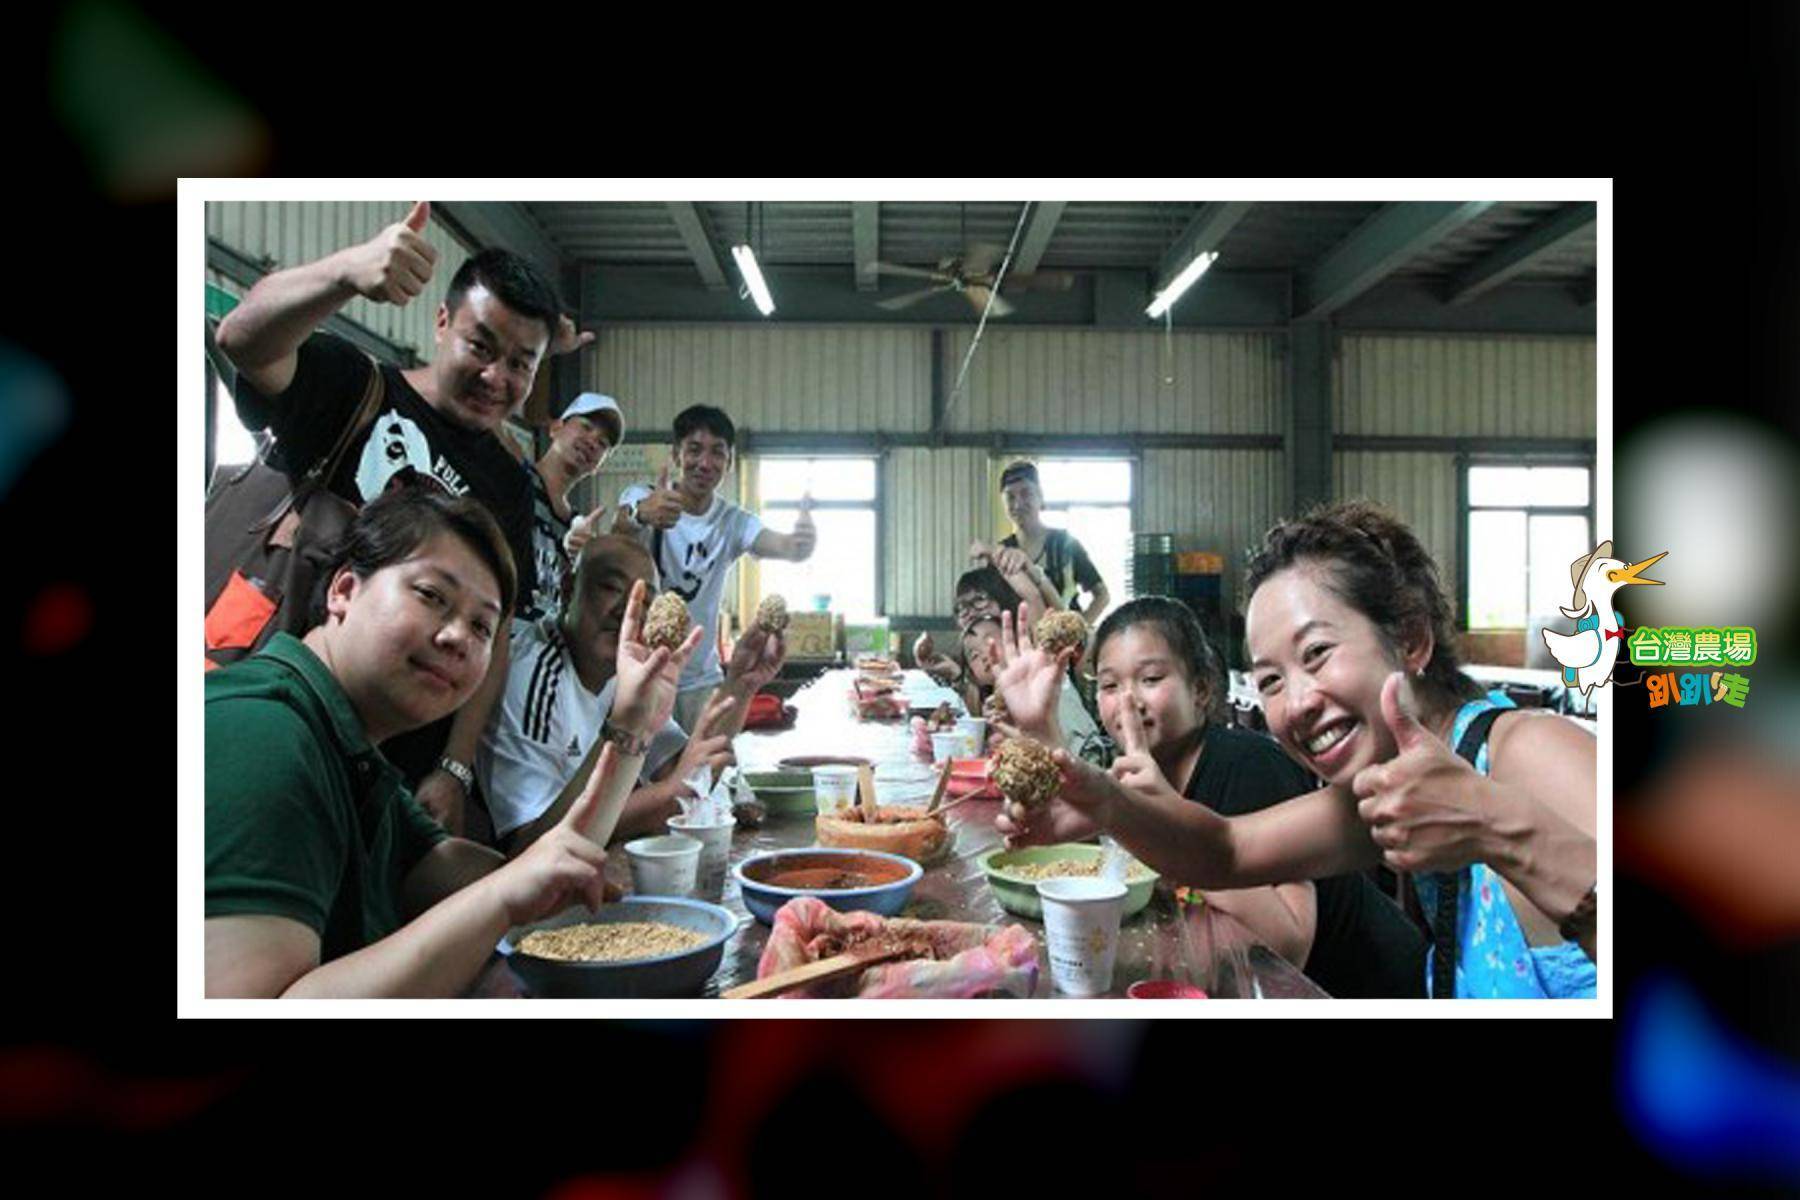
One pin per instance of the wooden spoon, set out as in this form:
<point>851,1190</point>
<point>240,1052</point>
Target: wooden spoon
<point>834,967</point>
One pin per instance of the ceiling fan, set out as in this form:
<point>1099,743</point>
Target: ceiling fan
<point>972,274</point>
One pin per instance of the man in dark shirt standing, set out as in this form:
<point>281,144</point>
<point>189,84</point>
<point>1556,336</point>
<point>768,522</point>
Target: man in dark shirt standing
<point>1056,551</point>
<point>440,422</point>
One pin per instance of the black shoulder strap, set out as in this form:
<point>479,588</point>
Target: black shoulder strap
<point>1443,928</point>
<point>656,548</point>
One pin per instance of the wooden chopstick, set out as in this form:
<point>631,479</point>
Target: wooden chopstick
<point>937,794</point>
<point>814,972</point>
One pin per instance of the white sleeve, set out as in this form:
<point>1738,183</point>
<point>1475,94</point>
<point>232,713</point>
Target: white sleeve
<point>750,527</point>
<point>665,745</point>
<point>633,494</point>
<point>520,776</point>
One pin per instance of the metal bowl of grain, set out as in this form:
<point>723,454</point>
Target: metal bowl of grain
<point>641,947</point>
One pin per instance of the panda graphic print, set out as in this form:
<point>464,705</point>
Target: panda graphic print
<point>397,452</point>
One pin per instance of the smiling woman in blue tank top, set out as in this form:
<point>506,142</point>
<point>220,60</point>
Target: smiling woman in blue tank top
<point>1492,808</point>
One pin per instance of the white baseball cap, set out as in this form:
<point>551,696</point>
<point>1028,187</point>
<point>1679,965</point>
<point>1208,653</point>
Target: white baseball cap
<point>593,402</point>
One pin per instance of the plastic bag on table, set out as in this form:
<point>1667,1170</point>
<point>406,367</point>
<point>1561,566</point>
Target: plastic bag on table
<point>966,959</point>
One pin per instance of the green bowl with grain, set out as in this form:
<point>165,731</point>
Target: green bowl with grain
<point>1014,875</point>
<point>783,793</point>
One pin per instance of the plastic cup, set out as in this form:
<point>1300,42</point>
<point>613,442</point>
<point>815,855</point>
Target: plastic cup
<point>664,866</point>
<point>1081,931</point>
<point>834,788</point>
<point>715,850</point>
<point>974,731</point>
<point>947,745</point>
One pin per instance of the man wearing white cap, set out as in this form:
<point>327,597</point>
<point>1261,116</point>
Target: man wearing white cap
<point>580,440</point>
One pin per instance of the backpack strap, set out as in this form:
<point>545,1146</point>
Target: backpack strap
<point>1443,926</point>
<point>322,471</point>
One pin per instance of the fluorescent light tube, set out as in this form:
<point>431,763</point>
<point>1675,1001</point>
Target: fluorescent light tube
<point>1180,284</point>
<point>759,291</point>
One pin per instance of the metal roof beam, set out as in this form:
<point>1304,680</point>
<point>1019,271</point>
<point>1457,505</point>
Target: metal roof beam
<point>502,223</point>
<point>1383,244</point>
<point>1510,258</point>
<point>1038,228</point>
<point>1203,234</point>
<point>865,232</point>
<point>703,248</point>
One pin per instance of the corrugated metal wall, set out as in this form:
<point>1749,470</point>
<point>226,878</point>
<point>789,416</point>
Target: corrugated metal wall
<point>937,504</point>
<point>1216,500</point>
<point>830,380</point>
<point>1420,488</point>
<point>1102,382</point>
<point>281,234</point>
<point>1466,386</point>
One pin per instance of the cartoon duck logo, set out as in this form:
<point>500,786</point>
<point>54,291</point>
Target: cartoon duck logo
<point>1587,656</point>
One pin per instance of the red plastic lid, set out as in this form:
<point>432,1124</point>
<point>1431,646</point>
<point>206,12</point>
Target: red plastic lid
<point>1164,989</point>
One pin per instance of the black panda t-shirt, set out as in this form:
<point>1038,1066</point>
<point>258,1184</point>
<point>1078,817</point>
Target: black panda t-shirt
<point>1364,946</point>
<point>409,442</point>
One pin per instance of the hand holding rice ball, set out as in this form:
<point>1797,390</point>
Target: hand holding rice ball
<point>772,614</point>
<point>667,623</point>
<point>1025,773</point>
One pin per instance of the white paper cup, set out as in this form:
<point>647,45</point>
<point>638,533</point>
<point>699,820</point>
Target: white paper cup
<point>1081,931</point>
<point>974,731</point>
<point>664,866</point>
<point>715,850</point>
<point>947,745</point>
<point>834,788</point>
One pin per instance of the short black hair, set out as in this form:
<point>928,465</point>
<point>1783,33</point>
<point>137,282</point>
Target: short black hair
<point>396,523</point>
<point>1177,625</point>
<point>705,416</point>
<point>992,584</point>
<point>513,281</point>
<point>1020,470</point>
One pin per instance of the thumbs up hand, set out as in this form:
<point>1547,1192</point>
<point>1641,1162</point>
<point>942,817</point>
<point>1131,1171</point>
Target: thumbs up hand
<point>395,265</point>
<point>662,507</point>
<point>1425,807</point>
<point>806,535</point>
<point>584,528</point>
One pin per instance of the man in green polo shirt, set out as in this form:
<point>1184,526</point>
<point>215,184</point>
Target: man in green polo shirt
<point>324,877</point>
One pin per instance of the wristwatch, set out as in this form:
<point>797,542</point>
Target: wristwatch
<point>627,742</point>
<point>461,773</point>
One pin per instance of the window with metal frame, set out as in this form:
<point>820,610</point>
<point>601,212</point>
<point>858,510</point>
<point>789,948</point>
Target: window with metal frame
<point>842,575</point>
<point>1523,525</point>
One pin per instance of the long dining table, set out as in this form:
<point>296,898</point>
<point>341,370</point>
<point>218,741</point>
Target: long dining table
<point>1187,942</point>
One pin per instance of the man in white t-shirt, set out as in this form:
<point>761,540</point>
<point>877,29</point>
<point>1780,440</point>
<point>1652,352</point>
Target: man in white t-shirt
<point>695,535</point>
<point>545,734</point>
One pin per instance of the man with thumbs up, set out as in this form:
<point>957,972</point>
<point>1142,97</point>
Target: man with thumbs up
<point>695,535</point>
<point>438,423</point>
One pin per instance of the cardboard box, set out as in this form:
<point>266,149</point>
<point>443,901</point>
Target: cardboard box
<point>811,635</point>
<point>1199,562</point>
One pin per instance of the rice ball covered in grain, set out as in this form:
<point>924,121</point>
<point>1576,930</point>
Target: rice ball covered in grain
<point>1061,629</point>
<point>772,614</point>
<point>667,623</point>
<point>1025,772</point>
